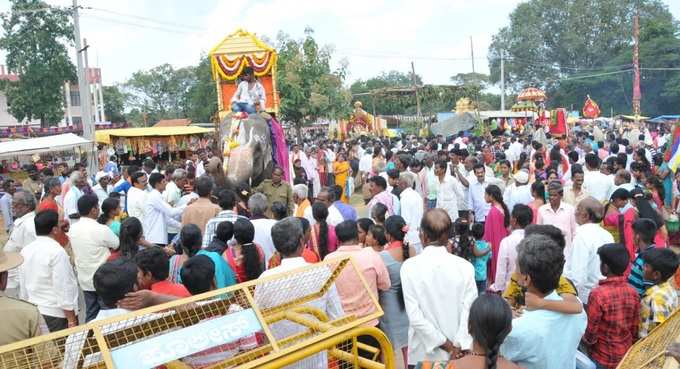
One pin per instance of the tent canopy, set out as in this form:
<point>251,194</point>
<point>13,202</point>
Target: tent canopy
<point>665,119</point>
<point>104,136</point>
<point>454,124</point>
<point>38,145</point>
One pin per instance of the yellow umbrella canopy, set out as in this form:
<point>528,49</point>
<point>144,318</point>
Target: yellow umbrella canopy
<point>532,94</point>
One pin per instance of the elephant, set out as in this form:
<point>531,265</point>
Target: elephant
<point>251,161</point>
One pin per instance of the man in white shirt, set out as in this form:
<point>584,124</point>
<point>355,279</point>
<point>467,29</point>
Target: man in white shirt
<point>249,96</point>
<point>411,210</point>
<point>476,193</point>
<point>136,197</point>
<point>303,208</point>
<point>515,149</point>
<point>622,180</point>
<point>449,190</point>
<point>366,163</point>
<point>91,243</point>
<point>521,217</point>
<point>158,214</point>
<point>23,233</point>
<point>438,289</point>
<point>583,264</point>
<point>6,203</point>
<point>257,203</point>
<point>173,190</point>
<point>595,183</point>
<point>327,196</point>
<point>46,276</point>
<point>519,192</point>
<point>102,188</point>
<point>173,193</point>
<point>74,193</point>
<point>200,160</point>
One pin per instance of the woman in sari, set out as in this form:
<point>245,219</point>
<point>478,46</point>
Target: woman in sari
<point>321,165</point>
<point>496,225</point>
<point>619,216</point>
<point>646,210</point>
<point>656,189</point>
<point>341,169</point>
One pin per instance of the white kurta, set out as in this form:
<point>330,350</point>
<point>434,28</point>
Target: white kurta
<point>583,264</point>
<point>439,289</point>
<point>448,194</point>
<point>412,212</point>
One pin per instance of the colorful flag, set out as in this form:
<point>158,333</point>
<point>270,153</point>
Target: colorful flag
<point>673,152</point>
<point>590,108</point>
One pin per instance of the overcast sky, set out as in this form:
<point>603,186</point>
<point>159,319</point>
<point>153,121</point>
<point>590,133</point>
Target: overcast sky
<point>373,35</point>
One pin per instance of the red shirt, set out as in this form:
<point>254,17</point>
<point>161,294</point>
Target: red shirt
<point>613,318</point>
<point>168,288</point>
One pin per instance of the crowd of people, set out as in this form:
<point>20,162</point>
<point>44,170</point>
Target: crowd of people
<point>498,251</point>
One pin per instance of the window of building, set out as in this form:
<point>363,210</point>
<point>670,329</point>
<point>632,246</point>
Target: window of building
<point>75,98</point>
<point>77,120</point>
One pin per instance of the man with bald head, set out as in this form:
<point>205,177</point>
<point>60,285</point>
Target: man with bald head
<point>438,289</point>
<point>583,264</point>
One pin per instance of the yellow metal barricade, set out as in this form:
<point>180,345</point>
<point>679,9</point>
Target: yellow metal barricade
<point>292,319</point>
<point>648,353</point>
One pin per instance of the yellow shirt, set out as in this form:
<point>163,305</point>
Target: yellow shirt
<point>514,292</point>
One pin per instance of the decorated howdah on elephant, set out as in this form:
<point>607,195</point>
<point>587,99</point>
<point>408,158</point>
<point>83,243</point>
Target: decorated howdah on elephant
<point>252,145</point>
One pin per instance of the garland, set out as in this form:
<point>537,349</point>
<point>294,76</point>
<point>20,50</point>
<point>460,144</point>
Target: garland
<point>230,68</point>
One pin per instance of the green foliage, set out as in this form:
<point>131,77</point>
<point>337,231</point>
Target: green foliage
<point>161,92</point>
<point>308,88</point>
<point>114,103</point>
<point>392,93</point>
<point>470,79</point>
<point>552,43</point>
<point>35,43</point>
<point>202,95</point>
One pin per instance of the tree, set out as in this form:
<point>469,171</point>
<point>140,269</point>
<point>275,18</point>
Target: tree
<point>308,88</point>
<point>470,79</point>
<point>202,95</point>
<point>161,92</point>
<point>115,102</point>
<point>35,38</point>
<point>576,47</point>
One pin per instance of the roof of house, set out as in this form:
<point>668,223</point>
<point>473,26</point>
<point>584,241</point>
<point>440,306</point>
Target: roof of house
<point>173,123</point>
<point>240,42</point>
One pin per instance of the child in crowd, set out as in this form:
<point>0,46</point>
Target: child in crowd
<point>661,299</point>
<point>375,237</point>
<point>518,298</point>
<point>462,243</point>
<point>153,273</point>
<point>644,230</point>
<point>613,310</point>
<point>481,251</point>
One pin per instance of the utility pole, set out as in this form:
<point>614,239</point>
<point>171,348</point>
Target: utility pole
<point>472,55</point>
<point>88,75</point>
<point>415,88</point>
<point>84,90</point>
<point>502,80</point>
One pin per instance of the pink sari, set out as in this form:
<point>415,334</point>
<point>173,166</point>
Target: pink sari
<point>494,232</point>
